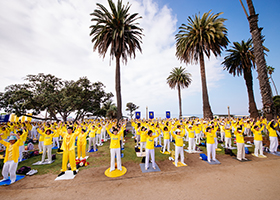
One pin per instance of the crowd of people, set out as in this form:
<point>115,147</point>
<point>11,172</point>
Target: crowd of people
<point>148,134</point>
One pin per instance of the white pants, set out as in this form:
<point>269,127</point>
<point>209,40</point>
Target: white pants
<point>159,139</point>
<point>197,138</point>
<point>34,133</point>
<point>98,139</point>
<point>228,142</point>
<point>142,146</point>
<point>273,144</point>
<point>191,145</point>
<point>211,151</point>
<point>47,148</point>
<point>115,152</point>
<point>21,148</point>
<point>179,151</point>
<point>103,133</point>
<point>216,142</point>
<point>166,142</point>
<point>41,146</point>
<point>223,136</point>
<point>137,139</point>
<point>258,147</point>
<point>240,151</point>
<point>55,140</point>
<point>148,153</point>
<point>91,141</point>
<point>10,167</point>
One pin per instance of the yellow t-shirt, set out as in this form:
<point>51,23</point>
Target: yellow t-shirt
<point>257,134</point>
<point>150,141</point>
<point>239,136</point>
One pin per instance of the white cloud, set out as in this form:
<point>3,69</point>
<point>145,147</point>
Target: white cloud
<point>53,37</point>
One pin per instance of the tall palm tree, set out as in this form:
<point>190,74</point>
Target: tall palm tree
<point>201,37</point>
<point>116,29</point>
<point>241,60</point>
<point>270,71</point>
<point>266,93</point>
<point>179,78</point>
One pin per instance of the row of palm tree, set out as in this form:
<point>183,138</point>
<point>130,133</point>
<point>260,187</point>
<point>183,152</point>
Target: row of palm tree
<point>117,31</point>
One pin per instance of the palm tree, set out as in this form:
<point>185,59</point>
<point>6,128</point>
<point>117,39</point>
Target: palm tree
<point>201,37</point>
<point>179,78</point>
<point>270,71</point>
<point>266,93</point>
<point>118,31</point>
<point>241,60</point>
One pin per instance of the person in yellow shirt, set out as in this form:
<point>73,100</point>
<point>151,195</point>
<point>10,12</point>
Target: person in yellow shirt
<point>191,134</point>
<point>211,147</point>
<point>166,139</point>
<point>240,142</point>
<point>179,143</point>
<point>257,131</point>
<point>143,138</point>
<point>91,140</point>
<point>82,143</point>
<point>115,147</point>
<point>12,156</point>
<point>68,147</point>
<point>48,137</point>
<point>271,127</point>
<point>227,129</point>
<point>22,133</point>
<point>41,138</point>
<point>56,138</point>
<point>98,135</point>
<point>150,149</point>
<point>197,129</point>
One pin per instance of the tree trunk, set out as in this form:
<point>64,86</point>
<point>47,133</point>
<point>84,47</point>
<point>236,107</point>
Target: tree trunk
<point>180,102</point>
<point>265,88</point>
<point>118,88</point>
<point>249,83</point>
<point>207,112</point>
<point>274,85</point>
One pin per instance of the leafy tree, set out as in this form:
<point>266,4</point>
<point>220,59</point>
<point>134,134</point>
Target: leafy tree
<point>131,107</point>
<point>240,60</point>
<point>200,37</point>
<point>116,29</point>
<point>179,78</point>
<point>276,100</point>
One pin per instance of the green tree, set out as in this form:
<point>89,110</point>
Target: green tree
<point>112,112</point>
<point>200,37</point>
<point>131,107</point>
<point>270,71</point>
<point>118,31</point>
<point>179,78</point>
<point>266,93</point>
<point>240,60</point>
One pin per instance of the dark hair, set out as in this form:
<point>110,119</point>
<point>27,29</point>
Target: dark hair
<point>239,128</point>
<point>115,129</point>
<point>70,127</point>
<point>49,131</point>
<point>165,128</point>
<point>256,127</point>
<point>149,132</point>
<point>84,130</point>
<point>208,129</point>
<point>272,125</point>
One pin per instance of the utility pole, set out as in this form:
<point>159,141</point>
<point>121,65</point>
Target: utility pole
<point>147,113</point>
<point>228,112</point>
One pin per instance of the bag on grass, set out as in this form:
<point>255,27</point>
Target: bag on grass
<point>247,150</point>
<point>203,156</point>
<point>136,149</point>
<point>30,146</point>
<point>25,155</point>
<point>36,153</point>
<point>23,170</point>
<point>53,156</point>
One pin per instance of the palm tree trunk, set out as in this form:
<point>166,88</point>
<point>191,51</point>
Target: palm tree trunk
<point>274,85</point>
<point>265,88</point>
<point>118,88</point>
<point>207,112</point>
<point>180,102</point>
<point>249,83</point>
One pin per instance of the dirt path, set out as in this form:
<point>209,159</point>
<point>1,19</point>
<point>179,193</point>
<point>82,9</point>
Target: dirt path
<point>257,179</point>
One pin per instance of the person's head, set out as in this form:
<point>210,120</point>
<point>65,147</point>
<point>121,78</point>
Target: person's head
<point>115,130</point>
<point>83,130</point>
<point>239,129</point>
<point>48,131</point>
<point>19,132</point>
<point>257,128</point>
<point>190,126</point>
<point>12,139</point>
<point>178,131</point>
<point>178,126</point>
<point>70,129</point>
<point>48,125</point>
<point>143,128</point>
<point>150,133</point>
<point>208,129</point>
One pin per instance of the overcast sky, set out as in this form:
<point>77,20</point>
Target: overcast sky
<point>52,37</point>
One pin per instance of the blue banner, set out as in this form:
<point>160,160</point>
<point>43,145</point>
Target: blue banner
<point>4,118</point>
<point>167,114</point>
<point>137,115</point>
<point>151,115</point>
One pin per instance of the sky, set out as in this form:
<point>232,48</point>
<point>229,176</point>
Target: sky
<point>52,37</point>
